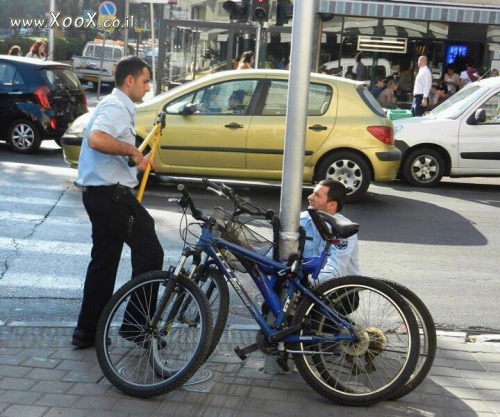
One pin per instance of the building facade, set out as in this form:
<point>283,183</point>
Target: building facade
<point>196,34</point>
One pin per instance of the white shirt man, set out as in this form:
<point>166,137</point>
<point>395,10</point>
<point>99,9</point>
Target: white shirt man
<point>422,87</point>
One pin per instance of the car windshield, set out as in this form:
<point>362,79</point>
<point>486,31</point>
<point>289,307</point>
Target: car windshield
<point>458,103</point>
<point>60,78</point>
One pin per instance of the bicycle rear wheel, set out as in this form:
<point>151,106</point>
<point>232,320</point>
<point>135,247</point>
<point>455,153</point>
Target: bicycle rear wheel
<point>428,339</point>
<point>373,364</point>
<point>144,360</point>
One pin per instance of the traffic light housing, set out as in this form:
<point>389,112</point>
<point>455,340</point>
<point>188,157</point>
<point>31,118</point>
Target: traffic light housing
<point>237,9</point>
<point>260,10</point>
<point>284,12</point>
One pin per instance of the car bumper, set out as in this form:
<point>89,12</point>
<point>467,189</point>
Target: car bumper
<point>71,146</point>
<point>385,164</point>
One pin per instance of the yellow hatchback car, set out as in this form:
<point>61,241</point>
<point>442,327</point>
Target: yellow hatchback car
<point>232,125</point>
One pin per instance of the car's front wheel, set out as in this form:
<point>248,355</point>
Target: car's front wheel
<point>350,169</point>
<point>24,137</point>
<point>423,168</point>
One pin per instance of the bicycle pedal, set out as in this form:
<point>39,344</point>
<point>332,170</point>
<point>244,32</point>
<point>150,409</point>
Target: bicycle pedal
<point>242,353</point>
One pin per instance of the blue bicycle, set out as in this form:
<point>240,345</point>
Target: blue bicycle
<point>354,340</point>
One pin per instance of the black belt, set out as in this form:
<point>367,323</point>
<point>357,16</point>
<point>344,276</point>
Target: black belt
<point>418,95</point>
<point>106,188</point>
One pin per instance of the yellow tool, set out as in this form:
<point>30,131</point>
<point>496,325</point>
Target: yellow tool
<point>154,137</point>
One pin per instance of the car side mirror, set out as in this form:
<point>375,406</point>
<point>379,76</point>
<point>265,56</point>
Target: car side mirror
<point>188,109</point>
<point>478,117</point>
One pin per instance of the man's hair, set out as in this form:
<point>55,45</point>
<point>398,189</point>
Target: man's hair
<point>129,65</point>
<point>336,192</point>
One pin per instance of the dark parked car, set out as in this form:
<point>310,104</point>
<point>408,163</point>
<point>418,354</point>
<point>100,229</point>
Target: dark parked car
<point>38,100</point>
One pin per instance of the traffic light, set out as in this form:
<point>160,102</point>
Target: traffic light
<point>237,9</point>
<point>284,12</point>
<point>260,10</point>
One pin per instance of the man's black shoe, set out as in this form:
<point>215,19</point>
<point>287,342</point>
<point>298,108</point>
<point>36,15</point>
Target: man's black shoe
<point>83,339</point>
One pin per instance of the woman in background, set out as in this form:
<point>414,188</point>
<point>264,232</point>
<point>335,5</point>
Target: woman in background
<point>37,50</point>
<point>247,60</point>
<point>15,50</point>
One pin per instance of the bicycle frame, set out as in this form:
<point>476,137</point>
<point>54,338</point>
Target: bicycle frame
<point>265,275</point>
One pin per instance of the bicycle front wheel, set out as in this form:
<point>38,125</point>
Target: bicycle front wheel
<point>379,345</point>
<point>146,359</point>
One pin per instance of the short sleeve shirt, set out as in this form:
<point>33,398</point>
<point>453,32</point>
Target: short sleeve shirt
<point>343,258</point>
<point>114,115</point>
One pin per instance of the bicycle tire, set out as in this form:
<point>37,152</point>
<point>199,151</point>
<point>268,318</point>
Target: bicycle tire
<point>214,285</point>
<point>381,359</point>
<point>145,362</point>
<point>428,339</point>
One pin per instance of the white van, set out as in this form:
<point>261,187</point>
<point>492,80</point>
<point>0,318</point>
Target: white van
<point>346,64</point>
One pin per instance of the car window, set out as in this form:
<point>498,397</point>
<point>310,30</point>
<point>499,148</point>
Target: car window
<point>117,53</point>
<point>492,109</point>
<point>10,76</point>
<point>232,97</point>
<point>98,52</point>
<point>458,102</point>
<point>370,101</point>
<point>60,79</point>
<point>275,103</point>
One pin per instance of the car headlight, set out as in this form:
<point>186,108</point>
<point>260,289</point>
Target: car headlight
<point>77,128</point>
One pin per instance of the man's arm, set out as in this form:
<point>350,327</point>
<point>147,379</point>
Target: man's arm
<point>104,143</point>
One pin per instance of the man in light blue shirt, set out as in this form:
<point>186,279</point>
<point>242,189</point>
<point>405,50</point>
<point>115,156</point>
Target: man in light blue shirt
<point>117,217</point>
<point>329,196</point>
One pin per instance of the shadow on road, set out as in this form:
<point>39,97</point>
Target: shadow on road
<point>382,217</point>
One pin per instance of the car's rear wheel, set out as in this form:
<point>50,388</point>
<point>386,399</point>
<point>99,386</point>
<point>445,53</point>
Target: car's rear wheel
<point>24,137</point>
<point>348,168</point>
<point>423,168</point>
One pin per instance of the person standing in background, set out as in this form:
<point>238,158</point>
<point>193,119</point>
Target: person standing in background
<point>359,68</point>
<point>422,87</point>
<point>452,80</point>
<point>37,50</point>
<point>469,75</point>
<point>15,51</point>
<point>247,60</point>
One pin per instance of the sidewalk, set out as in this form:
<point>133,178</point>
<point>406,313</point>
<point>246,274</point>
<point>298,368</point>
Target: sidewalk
<point>42,375</point>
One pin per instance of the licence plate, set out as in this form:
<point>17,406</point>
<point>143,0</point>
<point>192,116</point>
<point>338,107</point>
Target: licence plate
<point>93,79</point>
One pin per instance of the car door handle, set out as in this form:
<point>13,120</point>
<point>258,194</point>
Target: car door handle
<point>317,128</point>
<point>234,125</point>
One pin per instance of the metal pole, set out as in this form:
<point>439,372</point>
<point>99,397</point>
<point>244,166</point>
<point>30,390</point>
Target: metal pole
<point>125,32</point>
<point>257,46</point>
<point>153,63</point>
<point>296,124</point>
<point>51,51</point>
<point>102,63</point>
<point>295,135</point>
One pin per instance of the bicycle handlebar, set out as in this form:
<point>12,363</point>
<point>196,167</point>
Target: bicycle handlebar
<point>242,205</point>
<point>187,200</point>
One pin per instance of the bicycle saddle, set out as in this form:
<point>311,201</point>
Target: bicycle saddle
<point>340,228</point>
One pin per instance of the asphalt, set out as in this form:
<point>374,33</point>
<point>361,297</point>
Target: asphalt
<point>42,375</point>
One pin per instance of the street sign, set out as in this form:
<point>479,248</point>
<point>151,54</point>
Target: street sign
<point>107,14</point>
<point>107,8</point>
